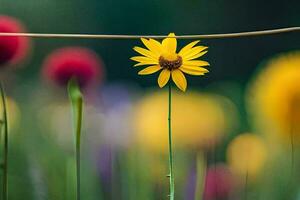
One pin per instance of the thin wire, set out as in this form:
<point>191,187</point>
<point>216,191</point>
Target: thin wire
<point>204,36</point>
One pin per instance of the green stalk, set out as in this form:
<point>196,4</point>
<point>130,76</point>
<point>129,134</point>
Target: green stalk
<point>201,171</point>
<point>5,160</point>
<point>77,107</point>
<point>171,175</point>
<point>246,185</point>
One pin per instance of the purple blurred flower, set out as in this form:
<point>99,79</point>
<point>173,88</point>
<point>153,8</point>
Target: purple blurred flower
<point>104,164</point>
<point>115,95</point>
<point>191,183</point>
<point>117,104</point>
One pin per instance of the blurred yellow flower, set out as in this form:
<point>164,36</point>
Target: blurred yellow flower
<point>163,56</point>
<point>246,154</point>
<point>274,96</point>
<point>198,120</point>
<point>13,112</point>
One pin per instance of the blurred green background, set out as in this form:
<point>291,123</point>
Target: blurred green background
<point>39,155</point>
<point>231,59</point>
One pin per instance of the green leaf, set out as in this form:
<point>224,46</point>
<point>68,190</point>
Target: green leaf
<point>76,100</point>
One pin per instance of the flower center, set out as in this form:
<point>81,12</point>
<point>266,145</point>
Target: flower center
<point>170,61</point>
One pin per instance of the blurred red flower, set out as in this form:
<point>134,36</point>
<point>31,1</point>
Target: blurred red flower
<point>73,62</point>
<point>219,183</point>
<point>13,48</point>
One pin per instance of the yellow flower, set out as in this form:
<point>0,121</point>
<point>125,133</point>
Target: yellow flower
<point>247,153</point>
<point>163,56</point>
<point>274,97</point>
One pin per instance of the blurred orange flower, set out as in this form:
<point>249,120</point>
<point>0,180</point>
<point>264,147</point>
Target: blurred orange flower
<point>274,96</point>
<point>246,154</point>
<point>198,120</point>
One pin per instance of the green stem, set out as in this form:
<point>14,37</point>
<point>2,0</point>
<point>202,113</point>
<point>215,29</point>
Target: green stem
<point>77,107</point>
<point>171,175</point>
<point>201,171</point>
<point>78,131</point>
<point>5,160</point>
<point>246,185</point>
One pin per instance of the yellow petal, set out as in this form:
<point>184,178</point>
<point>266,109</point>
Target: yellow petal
<point>154,46</point>
<point>193,51</point>
<point>179,79</point>
<point>150,70</point>
<point>163,77</point>
<point>170,44</point>
<point>199,63</point>
<point>197,55</point>
<point>145,52</point>
<point>187,47</point>
<point>192,70</point>
<point>144,60</point>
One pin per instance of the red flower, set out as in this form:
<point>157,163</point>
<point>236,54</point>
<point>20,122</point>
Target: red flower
<point>219,183</point>
<point>13,48</point>
<point>73,62</point>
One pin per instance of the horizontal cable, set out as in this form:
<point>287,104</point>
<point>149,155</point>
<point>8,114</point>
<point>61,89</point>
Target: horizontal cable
<point>208,36</point>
